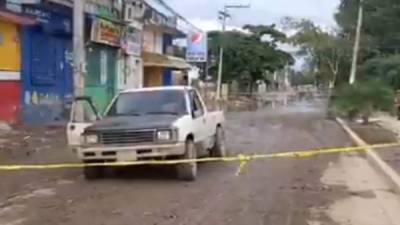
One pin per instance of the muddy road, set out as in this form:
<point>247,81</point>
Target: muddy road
<point>278,191</point>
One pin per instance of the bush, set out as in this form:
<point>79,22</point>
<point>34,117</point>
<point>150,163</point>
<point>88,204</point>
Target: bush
<point>362,99</point>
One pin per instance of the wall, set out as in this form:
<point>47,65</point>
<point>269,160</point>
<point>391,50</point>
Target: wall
<point>47,66</point>
<point>10,48</point>
<point>132,77</point>
<point>10,66</point>
<point>153,76</point>
<point>152,40</point>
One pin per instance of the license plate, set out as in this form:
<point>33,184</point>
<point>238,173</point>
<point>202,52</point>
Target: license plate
<point>126,156</point>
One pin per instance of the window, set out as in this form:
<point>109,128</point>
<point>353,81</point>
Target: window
<point>149,102</point>
<point>198,109</point>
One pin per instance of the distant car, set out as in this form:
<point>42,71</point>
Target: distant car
<point>147,123</point>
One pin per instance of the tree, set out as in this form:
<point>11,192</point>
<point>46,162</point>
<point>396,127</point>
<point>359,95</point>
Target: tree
<point>248,57</point>
<point>363,98</point>
<point>380,37</point>
<point>326,52</point>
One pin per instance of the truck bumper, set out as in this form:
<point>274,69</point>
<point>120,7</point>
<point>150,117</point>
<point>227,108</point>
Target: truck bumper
<point>130,153</point>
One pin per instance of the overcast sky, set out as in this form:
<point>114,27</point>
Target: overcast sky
<point>203,13</point>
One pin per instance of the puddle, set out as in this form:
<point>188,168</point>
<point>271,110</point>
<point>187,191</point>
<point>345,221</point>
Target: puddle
<point>10,209</point>
<point>65,182</point>
<point>363,194</point>
<point>13,222</point>
<point>44,192</point>
<point>38,193</point>
<point>11,215</point>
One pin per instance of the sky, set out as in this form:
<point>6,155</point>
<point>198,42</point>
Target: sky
<point>203,13</point>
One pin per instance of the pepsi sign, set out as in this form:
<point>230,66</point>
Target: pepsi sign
<point>197,47</point>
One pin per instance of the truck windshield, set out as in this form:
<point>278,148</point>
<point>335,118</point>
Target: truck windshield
<point>149,102</point>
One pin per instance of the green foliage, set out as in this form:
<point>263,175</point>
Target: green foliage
<point>362,98</point>
<point>380,37</point>
<point>326,52</point>
<point>248,57</point>
<point>387,68</point>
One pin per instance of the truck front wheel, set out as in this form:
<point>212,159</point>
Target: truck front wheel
<point>188,171</point>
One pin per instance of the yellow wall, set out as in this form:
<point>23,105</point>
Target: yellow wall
<point>10,49</point>
<point>153,76</point>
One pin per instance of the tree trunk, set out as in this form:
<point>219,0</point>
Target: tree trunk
<point>366,114</point>
<point>365,119</point>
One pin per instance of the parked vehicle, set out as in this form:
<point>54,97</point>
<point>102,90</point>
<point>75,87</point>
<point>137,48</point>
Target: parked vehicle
<point>148,123</point>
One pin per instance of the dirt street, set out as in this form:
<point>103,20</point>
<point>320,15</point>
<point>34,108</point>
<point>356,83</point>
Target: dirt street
<point>276,192</point>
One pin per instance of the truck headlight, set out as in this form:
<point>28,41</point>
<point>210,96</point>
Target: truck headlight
<point>164,135</point>
<point>91,139</point>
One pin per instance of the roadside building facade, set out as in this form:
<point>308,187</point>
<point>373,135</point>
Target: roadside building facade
<point>128,44</point>
<point>10,63</point>
<point>160,28</point>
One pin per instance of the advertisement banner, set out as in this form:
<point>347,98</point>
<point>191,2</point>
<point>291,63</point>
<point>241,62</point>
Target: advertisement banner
<point>197,47</point>
<point>132,42</point>
<point>106,32</point>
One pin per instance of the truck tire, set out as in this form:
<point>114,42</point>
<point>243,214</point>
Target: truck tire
<point>188,171</point>
<point>219,148</point>
<point>92,173</point>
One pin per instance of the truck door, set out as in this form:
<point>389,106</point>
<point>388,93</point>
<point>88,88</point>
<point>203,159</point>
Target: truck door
<point>199,118</point>
<point>77,123</point>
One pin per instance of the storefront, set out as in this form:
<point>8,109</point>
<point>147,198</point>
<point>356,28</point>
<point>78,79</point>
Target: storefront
<point>47,65</point>
<point>103,56</point>
<point>155,66</point>
<point>10,65</point>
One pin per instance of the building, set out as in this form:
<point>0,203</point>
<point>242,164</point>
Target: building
<point>47,57</point>
<point>10,62</point>
<point>128,44</point>
<point>103,55</point>
<point>160,29</point>
<point>132,76</point>
<point>47,63</point>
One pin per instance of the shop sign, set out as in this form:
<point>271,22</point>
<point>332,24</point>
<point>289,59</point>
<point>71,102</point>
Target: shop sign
<point>101,11</point>
<point>106,32</point>
<point>132,42</point>
<point>197,47</point>
<point>40,15</point>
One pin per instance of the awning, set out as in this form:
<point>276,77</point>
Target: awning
<point>158,60</point>
<point>16,18</point>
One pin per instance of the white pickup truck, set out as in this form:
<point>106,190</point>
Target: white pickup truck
<point>147,123</point>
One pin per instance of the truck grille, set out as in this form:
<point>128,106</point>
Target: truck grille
<point>127,137</point>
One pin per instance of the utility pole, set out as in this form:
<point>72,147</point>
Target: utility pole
<point>79,52</point>
<point>223,15</point>
<point>356,48</point>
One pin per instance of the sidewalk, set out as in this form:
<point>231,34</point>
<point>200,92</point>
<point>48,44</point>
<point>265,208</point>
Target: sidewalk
<point>388,122</point>
<point>367,198</point>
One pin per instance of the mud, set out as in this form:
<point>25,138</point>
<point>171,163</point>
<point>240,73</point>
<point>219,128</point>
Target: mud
<point>277,191</point>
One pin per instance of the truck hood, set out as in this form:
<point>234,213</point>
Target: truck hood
<point>133,123</point>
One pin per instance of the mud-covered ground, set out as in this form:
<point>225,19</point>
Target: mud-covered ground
<point>377,134</point>
<point>270,192</point>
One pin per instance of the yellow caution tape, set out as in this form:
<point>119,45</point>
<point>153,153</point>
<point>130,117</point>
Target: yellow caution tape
<point>242,158</point>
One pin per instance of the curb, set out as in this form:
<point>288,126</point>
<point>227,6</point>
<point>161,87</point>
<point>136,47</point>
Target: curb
<point>374,159</point>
